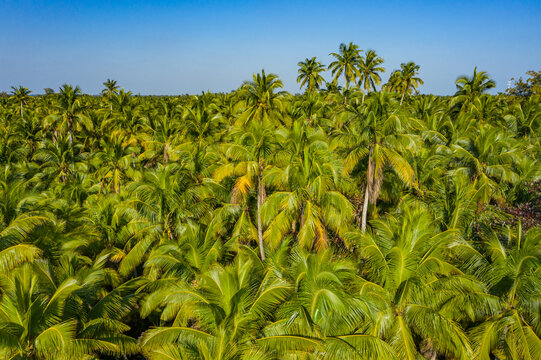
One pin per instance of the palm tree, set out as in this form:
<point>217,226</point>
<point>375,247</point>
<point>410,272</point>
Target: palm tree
<point>20,95</point>
<point>309,192</point>
<point>409,277</point>
<point>111,88</point>
<point>405,81</point>
<point>486,159</point>
<point>508,327</point>
<point>112,162</point>
<point>347,63</point>
<point>375,133</point>
<point>37,323</point>
<point>309,74</point>
<point>369,68</point>
<point>224,313</point>
<point>470,87</point>
<point>262,98</point>
<point>70,112</point>
<point>248,159</point>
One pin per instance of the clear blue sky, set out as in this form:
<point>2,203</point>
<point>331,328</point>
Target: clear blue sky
<point>177,47</point>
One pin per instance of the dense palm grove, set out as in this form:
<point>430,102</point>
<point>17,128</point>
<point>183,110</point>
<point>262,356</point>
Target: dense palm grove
<point>343,223</point>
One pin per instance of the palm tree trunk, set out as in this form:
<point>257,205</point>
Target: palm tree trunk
<point>368,190</point>
<point>165,155</point>
<point>70,129</point>
<point>365,207</point>
<point>402,98</point>
<point>260,199</point>
<point>344,90</point>
<point>22,113</point>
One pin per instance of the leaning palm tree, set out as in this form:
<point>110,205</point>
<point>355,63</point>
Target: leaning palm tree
<point>20,95</point>
<point>310,74</point>
<point>370,67</point>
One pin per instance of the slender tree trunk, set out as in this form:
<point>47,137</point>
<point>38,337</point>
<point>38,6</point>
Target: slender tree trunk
<point>365,207</point>
<point>368,189</point>
<point>70,129</point>
<point>260,199</point>
<point>402,98</point>
<point>362,101</point>
<point>22,111</point>
<point>344,90</point>
<point>165,155</point>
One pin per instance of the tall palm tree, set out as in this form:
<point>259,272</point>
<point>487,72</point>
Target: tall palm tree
<point>346,63</point>
<point>20,95</point>
<point>369,68</point>
<point>111,88</point>
<point>470,87</point>
<point>309,74</point>
<point>309,192</point>
<point>262,98</point>
<point>405,81</point>
<point>248,159</point>
<point>375,133</point>
<point>70,112</point>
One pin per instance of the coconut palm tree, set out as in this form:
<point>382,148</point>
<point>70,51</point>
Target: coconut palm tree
<point>375,133</point>
<point>510,266</point>
<point>37,324</point>
<point>226,313</point>
<point>369,68</point>
<point>486,159</point>
<point>346,63</point>
<point>309,74</point>
<point>20,95</point>
<point>308,192</point>
<point>111,88</point>
<point>70,113</point>
<point>404,81</point>
<point>262,99</point>
<point>470,87</point>
<point>248,157</point>
<point>405,267</point>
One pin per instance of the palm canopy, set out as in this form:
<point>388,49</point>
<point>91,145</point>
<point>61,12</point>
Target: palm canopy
<point>346,63</point>
<point>21,96</point>
<point>370,69</point>
<point>405,81</point>
<point>475,85</point>
<point>375,133</point>
<point>263,98</point>
<point>310,74</point>
<point>263,225</point>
